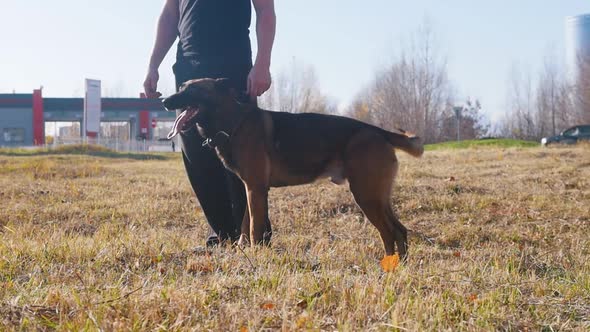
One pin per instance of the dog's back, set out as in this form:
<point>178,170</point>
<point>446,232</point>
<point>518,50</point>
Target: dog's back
<point>298,135</point>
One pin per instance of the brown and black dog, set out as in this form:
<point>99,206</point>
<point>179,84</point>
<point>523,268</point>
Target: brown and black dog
<point>273,149</point>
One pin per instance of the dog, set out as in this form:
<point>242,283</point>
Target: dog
<point>274,149</point>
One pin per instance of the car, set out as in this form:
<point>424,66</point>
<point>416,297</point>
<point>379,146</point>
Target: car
<point>571,135</point>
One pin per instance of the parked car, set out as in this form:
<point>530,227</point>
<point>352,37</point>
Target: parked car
<point>572,135</point>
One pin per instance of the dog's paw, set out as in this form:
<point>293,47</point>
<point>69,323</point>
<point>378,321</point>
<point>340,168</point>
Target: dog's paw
<point>243,241</point>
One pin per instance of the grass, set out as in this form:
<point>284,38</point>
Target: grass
<point>483,143</point>
<point>498,241</point>
<point>82,149</point>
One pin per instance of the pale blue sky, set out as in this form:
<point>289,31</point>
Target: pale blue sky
<point>58,43</point>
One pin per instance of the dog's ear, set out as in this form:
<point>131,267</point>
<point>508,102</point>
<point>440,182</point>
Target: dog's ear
<point>223,84</point>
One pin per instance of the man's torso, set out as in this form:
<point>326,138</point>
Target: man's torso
<point>215,31</point>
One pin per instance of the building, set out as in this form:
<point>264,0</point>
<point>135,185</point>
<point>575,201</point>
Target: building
<point>30,119</point>
<point>577,33</point>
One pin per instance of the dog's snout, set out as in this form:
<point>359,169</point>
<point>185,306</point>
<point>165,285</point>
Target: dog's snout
<point>165,103</point>
<point>171,103</point>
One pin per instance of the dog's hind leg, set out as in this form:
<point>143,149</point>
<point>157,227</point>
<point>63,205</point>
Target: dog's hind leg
<point>381,215</point>
<point>370,169</point>
<point>375,212</point>
<point>401,241</point>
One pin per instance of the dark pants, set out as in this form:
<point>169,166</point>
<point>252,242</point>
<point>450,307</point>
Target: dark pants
<point>220,192</point>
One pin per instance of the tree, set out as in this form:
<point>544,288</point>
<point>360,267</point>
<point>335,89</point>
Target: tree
<point>297,90</point>
<point>538,109</point>
<point>553,104</point>
<point>359,108</point>
<point>463,122</point>
<point>520,119</point>
<point>412,92</point>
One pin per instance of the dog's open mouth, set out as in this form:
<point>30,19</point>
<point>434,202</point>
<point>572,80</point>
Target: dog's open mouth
<point>184,121</point>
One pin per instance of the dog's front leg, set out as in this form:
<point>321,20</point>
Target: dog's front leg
<point>254,168</point>
<point>258,210</point>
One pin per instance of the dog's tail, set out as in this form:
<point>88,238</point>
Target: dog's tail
<point>405,141</point>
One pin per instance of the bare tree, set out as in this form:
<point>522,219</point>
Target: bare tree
<point>297,90</point>
<point>412,92</point>
<point>538,109</point>
<point>359,108</point>
<point>519,122</point>
<point>554,110</point>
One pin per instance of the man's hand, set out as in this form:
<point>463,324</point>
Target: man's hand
<point>259,81</point>
<point>150,85</point>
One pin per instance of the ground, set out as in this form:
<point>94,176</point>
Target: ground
<point>498,241</point>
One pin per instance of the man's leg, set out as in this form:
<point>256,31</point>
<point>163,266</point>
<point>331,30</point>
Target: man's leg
<point>207,176</point>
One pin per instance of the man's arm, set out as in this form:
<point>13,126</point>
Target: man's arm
<point>259,79</point>
<point>166,34</point>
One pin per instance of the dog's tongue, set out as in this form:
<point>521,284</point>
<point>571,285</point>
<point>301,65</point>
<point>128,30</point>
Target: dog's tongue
<point>178,124</point>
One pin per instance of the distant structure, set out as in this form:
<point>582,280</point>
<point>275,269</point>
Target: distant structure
<point>577,36</point>
<point>24,119</point>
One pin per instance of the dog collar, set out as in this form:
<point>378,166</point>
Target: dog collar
<point>219,138</point>
<point>222,137</point>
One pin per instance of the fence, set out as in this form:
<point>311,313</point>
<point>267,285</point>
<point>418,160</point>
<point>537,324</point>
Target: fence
<point>122,145</point>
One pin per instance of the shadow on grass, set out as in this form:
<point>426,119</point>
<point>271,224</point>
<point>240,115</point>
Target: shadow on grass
<point>83,149</point>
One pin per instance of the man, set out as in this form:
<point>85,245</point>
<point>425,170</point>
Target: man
<point>214,42</point>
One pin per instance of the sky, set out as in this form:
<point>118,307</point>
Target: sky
<point>58,43</point>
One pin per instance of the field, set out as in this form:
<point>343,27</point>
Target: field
<point>499,240</point>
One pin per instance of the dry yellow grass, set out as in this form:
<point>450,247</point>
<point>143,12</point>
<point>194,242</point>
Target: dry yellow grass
<point>499,241</point>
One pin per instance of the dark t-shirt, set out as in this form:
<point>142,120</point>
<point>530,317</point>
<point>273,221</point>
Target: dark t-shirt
<point>215,31</point>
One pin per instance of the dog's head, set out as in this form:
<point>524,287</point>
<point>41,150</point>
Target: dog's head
<point>198,99</point>
<point>200,93</point>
